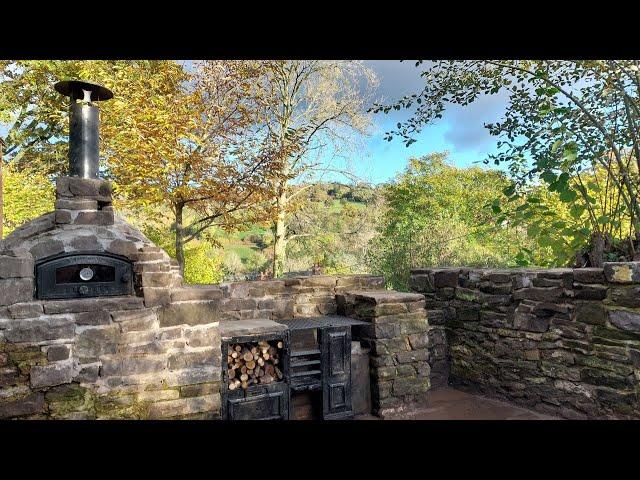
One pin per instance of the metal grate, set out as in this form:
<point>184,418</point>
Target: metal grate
<point>306,323</point>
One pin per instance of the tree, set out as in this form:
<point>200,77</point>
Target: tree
<point>439,215</point>
<point>332,230</point>
<point>27,194</point>
<point>169,136</point>
<point>34,114</point>
<point>311,107</point>
<point>565,230</point>
<point>185,139</point>
<point>2,145</point>
<point>564,121</point>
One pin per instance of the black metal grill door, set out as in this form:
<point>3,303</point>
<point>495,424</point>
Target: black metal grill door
<point>335,344</point>
<point>273,405</point>
<point>78,275</point>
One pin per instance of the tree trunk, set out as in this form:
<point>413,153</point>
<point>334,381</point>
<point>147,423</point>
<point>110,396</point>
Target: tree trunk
<point>179,208</point>
<point>280,235</point>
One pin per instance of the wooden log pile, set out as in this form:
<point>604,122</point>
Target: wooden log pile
<point>254,363</point>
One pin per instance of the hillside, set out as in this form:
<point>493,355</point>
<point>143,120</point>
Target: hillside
<point>324,227</point>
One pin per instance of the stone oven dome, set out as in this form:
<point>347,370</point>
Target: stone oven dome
<point>84,223</point>
<point>43,238</point>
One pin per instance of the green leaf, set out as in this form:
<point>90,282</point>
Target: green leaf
<point>570,152</point>
<point>510,190</point>
<point>577,210</point>
<point>533,230</point>
<point>548,177</point>
<point>560,224</point>
<point>568,196</point>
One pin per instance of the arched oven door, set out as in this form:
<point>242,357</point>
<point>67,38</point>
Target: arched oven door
<point>74,275</point>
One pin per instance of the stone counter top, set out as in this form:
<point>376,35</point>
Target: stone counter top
<point>235,328</point>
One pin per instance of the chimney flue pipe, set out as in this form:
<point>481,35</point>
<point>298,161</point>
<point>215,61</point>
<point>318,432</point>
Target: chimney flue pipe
<point>84,125</point>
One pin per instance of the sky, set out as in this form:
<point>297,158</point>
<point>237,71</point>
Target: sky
<point>461,131</point>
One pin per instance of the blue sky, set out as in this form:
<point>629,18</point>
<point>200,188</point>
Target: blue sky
<point>461,131</point>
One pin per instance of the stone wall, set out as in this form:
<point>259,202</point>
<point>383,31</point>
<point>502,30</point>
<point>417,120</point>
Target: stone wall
<point>155,354</point>
<point>119,357</point>
<point>398,340</point>
<point>561,341</point>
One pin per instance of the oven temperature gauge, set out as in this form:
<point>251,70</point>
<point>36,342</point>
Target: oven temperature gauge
<point>86,274</point>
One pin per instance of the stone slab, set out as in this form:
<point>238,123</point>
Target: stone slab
<point>232,328</point>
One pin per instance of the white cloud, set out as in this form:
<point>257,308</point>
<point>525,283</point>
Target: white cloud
<point>465,125</point>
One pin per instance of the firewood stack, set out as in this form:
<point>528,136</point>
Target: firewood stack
<point>254,363</point>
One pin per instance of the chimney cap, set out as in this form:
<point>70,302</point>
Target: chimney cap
<point>75,89</point>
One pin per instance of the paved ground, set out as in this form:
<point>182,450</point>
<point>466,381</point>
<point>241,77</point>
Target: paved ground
<point>450,404</point>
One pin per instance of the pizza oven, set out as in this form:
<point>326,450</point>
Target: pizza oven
<point>81,250</point>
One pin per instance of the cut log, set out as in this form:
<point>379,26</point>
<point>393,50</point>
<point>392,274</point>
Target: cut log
<point>247,357</point>
<point>251,365</point>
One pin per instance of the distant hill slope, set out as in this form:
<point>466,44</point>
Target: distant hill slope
<point>329,216</point>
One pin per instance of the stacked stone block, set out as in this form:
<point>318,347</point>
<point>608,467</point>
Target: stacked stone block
<point>127,357</point>
<point>83,201</point>
<point>105,358</point>
<point>290,297</point>
<point>398,338</point>
<point>562,341</point>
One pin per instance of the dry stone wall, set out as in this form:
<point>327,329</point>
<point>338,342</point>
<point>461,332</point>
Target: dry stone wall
<point>122,357</point>
<point>562,341</point>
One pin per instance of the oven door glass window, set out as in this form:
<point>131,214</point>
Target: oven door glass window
<point>84,273</point>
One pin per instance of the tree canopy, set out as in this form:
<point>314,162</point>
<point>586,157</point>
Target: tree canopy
<point>567,124</point>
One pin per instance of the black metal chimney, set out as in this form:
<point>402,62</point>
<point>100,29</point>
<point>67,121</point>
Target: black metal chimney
<point>84,125</point>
